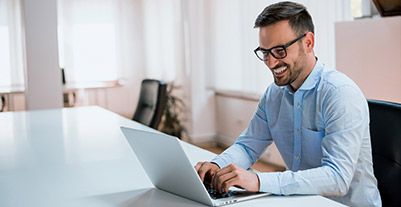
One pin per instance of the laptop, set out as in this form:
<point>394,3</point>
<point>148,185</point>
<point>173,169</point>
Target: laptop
<point>169,169</point>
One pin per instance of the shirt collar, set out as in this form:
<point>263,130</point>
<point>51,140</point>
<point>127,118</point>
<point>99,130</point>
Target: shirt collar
<point>312,79</point>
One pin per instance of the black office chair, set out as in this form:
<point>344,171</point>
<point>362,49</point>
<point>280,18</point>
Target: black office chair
<point>385,132</point>
<point>3,103</point>
<point>152,102</point>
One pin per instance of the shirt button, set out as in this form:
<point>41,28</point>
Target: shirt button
<point>298,157</point>
<point>299,105</point>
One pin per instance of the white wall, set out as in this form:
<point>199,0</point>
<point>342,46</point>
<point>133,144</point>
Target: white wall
<point>43,75</point>
<point>369,51</point>
<point>233,113</point>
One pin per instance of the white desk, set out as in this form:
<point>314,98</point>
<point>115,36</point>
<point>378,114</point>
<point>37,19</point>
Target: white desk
<point>79,157</point>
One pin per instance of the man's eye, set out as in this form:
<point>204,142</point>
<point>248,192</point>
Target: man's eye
<point>279,52</point>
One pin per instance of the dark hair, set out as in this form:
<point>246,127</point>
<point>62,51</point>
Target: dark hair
<point>298,17</point>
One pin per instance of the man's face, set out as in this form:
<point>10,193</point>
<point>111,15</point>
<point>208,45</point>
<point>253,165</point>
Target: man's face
<point>288,70</point>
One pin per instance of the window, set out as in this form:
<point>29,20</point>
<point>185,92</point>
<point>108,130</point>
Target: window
<point>363,8</point>
<point>5,65</point>
<point>233,39</point>
<point>112,39</point>
<point>11,58</point>
<point>88,47</point>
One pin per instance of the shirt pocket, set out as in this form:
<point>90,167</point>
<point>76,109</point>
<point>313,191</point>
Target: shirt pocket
<point>312,146</point>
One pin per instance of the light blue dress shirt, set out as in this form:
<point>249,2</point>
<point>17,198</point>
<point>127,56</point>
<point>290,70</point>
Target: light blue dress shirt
<point>322,133</point>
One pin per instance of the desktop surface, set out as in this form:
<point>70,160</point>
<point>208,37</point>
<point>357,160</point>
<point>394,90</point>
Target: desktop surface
<point>79,157</point>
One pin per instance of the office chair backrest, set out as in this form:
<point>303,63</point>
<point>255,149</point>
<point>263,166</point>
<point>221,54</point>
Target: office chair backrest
<point>3,103</point>
<point>385,132</point>
<point>152,102</point>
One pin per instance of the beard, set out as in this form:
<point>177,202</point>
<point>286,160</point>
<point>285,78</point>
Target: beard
<point>292,71</point>
<point>290,74</point>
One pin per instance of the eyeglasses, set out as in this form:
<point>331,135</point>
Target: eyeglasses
<point>278,52</point>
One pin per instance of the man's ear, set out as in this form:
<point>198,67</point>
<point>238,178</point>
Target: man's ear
<point>309,42</point>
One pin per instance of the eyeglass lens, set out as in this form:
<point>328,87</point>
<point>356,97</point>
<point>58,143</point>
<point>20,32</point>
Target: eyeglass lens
<point>278,53</point>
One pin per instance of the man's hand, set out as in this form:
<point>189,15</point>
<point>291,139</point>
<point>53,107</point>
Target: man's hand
<point>233,175</point>
<point>206,170</point>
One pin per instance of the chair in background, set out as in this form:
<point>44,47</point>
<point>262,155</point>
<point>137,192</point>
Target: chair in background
<point>2,103</point>
<point>152,102</point>
<point>385,132</point>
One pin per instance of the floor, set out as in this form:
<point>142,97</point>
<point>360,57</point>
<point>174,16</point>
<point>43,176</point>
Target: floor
<point>259,165</point>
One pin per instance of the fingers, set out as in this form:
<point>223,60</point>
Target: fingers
<point>201,171</point>
<point>234,181</point>
<point>223,175</point>
<point>198,165</point>
<point>233,175</point>
<point>205,168</point>
<point>225,181</point>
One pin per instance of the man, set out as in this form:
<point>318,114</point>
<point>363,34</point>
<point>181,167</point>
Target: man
<point>318,118</point>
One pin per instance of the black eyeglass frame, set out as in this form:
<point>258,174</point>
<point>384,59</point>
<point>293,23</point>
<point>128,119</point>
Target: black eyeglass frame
<point>282,47</point>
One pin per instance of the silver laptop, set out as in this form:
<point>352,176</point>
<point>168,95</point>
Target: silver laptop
<point>169,168</point>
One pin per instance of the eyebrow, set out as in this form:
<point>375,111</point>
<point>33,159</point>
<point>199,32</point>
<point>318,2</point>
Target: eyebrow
<point>285,44</point>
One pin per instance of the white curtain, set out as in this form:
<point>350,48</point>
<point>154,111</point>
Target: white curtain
<point>87,40</point>
<point>163,39</point>
<point>102,40</point>
<point>11,45</point>
<point>233,39</point>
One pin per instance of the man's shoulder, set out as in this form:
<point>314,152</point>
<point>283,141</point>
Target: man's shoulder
<point>332,79</point>
<point>335,85</point>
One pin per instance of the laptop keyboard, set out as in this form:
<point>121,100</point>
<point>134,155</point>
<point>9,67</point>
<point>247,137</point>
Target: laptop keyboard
<point>216,195</point>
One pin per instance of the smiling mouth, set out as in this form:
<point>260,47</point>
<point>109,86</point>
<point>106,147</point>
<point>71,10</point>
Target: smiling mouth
<point>279,71</point>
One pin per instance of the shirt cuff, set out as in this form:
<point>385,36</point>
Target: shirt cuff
<point>215,164</point>
<point>220,162</point>
<point>270,182</point>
